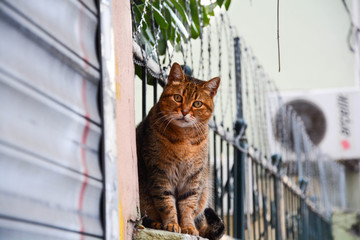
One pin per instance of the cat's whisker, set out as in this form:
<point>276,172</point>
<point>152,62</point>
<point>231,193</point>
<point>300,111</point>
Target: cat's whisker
<point>197,130</point>
<point>172,118</point>
<point>201,127</point>
<point>161,119</point>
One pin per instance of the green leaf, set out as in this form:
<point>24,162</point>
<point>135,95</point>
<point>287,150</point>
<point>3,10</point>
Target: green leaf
<point>227,4</point>
<point>147,21</point>
<point>139,1</point>
<point>180,10</point>
<point>170,28</point>
<point>194,31</point>
<point>194,12</point>
<point>206,17</point>
<point>156,4</point>
<point>149,35</point>
<point>177,21</point>
<point>178,47</point>
<point>160,20</point>
<point>178,38</point>
<point>195,24</point>
<point>162,45</point>
<point>210,8</point>
<point>171,33</point>
<point>138,14</point>
<point>220,2</point>
<point>183,4</point>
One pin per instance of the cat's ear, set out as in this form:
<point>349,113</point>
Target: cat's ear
<point>176,74</point>
<point>212,86</point>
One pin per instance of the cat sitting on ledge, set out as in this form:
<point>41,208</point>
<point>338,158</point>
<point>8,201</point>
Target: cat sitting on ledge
<point>173,164</point>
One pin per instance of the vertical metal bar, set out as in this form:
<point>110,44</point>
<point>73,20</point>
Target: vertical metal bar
<point>301,227</point>
<point>286,204</point>
<point>239,160</point>
<point>254,198</point>
<point>144,81</point>
<point>291,219</point>
<point>221,180</point>
<point>301,218</point>
<point>311,224</point>
<point>328,229</point>
<point>297,215</point>
<point>296,222</point>
<point>257,165</point>
<point>272,203</point>
<point>215,177</point>
<point>228,186</point>
<point>277,183</point>
<point>268,187</point>
<point>264,195</point>
<point>307,220</point>
<point>277,161</point>
<point>155,89</point>
<point>273,207</point>
<point>239,194</point>
<point>292,214</point>
<point>319,226</point>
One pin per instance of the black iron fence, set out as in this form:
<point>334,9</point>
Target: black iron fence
<point>251,194</point>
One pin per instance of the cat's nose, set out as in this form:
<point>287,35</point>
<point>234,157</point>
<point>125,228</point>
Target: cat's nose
<point>185,111</point>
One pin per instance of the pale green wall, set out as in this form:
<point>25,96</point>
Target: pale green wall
<point>313,38</point>
<point>342,224</point>
<point>353,188</point>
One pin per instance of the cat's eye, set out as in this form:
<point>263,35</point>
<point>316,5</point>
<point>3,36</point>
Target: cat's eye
<point>197,104</point>
<point>178,98</point>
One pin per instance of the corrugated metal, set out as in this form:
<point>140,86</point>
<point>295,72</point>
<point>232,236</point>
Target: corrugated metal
<point>10,229</point>
<point>67,21</point>
<point>50,126</point>
<point>111,165</point>
<point>34,57</point>
<point>33,189</point>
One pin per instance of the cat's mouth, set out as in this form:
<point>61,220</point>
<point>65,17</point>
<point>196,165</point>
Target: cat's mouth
<point>182,119</point>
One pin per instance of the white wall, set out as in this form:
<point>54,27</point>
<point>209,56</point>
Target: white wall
<point>313,38</point>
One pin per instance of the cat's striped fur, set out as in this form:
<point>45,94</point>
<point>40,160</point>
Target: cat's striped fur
<point>173,165</point>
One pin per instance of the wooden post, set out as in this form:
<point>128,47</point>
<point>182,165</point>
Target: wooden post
<point>125,112</point>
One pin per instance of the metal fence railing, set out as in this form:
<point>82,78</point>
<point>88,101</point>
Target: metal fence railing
<point>254,192</point>
<point>251,195</point>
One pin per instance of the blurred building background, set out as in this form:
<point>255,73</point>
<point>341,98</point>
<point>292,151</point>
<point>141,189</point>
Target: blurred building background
<point>319,65</point>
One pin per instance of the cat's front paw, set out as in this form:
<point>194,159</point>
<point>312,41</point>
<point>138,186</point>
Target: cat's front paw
<point>156,225</point>
<point>172,227</point>
<point>190,230</point>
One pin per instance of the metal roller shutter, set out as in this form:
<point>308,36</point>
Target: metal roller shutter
<point>51,180</point>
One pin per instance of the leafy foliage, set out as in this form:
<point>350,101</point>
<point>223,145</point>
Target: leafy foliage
<point>177,20</point>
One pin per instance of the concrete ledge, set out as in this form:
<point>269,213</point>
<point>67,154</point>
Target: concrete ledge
<point>152,234</point>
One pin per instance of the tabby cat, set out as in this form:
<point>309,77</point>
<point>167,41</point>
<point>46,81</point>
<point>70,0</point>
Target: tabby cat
<point>172,148</point>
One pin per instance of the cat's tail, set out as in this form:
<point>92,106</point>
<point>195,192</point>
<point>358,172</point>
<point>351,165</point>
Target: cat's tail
<point>210,225</point>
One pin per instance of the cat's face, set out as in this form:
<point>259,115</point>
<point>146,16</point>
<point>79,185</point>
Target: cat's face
<point>187,102</point>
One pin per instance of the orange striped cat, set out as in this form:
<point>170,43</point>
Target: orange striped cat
<point>172,148</point>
